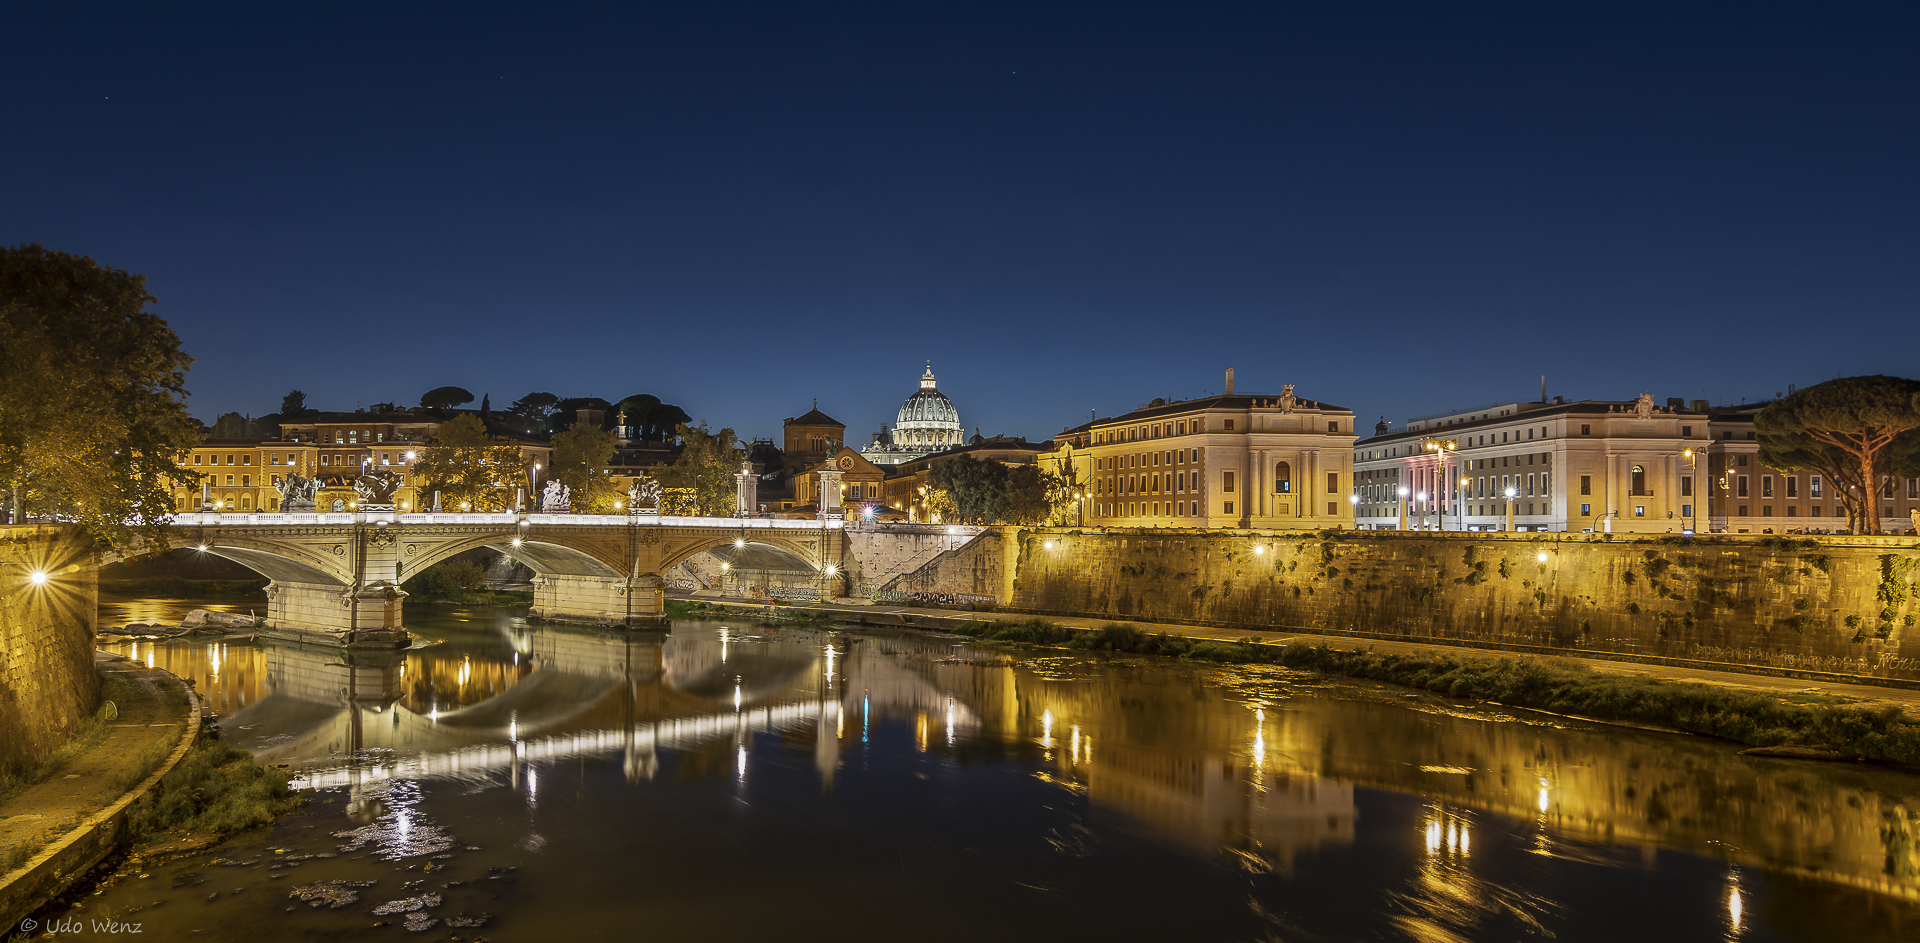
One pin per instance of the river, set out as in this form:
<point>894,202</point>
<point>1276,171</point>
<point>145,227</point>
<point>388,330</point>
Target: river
<point>517,780</point>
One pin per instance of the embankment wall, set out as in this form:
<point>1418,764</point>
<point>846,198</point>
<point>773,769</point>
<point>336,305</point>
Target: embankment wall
<point>1842,606</point>
<point>47,682</point>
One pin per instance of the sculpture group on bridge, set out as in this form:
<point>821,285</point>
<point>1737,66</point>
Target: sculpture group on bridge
<point>556,499</point>
<point>296,492</point>
<point>645,493</point>
<point>376,489</point>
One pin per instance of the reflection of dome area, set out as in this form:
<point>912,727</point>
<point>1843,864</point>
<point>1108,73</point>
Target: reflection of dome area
<point>927,423</point>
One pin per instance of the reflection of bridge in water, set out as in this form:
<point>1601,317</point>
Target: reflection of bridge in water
<point>1179,758</point>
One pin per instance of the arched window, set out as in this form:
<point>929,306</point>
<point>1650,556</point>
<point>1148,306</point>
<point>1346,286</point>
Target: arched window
<point>1639,479</point>
<point>1283,478</point>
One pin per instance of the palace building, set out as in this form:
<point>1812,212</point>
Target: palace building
<point>1233,460</point>
<point>1595,465</point>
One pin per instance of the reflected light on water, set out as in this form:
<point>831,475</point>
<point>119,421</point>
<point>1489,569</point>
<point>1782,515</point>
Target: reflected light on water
<point>1544,800</point>
<point>830,654</point>
<point>742,763</point>
<point>949,721</point>
<point>1046,730</point>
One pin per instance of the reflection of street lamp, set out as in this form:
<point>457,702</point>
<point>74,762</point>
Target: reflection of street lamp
<point>1511,492</point>
<point>1443,448</point>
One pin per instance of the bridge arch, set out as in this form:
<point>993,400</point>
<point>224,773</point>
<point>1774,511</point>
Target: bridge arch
<point>280,562</point>
<point>805,554</point>
<point>545,554</point>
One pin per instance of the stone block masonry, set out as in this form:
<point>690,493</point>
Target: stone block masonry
<point>47,682</point>
<point>1837,606</point>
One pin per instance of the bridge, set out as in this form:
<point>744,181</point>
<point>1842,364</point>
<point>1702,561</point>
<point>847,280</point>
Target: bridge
<point>336,577</point>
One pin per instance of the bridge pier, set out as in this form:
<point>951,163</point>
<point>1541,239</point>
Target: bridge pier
<point>367,616</point>
<point>639,602</point>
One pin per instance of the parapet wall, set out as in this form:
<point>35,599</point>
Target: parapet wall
<point>1843,606</point>
<point>47,682</point>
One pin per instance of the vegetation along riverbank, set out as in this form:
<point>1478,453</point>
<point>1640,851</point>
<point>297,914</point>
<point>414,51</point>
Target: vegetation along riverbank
<point>1562,687</point>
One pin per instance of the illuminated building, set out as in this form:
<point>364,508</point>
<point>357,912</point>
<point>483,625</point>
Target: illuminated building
<point>927,423</point>
<point>1233,460</point>
<point>1594,465</point>
<point>1742,496</point>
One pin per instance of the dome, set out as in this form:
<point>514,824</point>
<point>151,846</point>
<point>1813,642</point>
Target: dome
<point>928,421</point>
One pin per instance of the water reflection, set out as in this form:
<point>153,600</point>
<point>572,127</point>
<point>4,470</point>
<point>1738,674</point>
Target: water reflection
<point>1436,821</point>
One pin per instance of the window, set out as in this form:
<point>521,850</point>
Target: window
<point>1793,486</point>
<point>1766,510</point>
<point>1639,510</point>
<point>1333,508</point>
<point>1586,485</point>
<point>1913,487</point>
<point>1229,504</point>
<point>246,503</point>
<point>1229,425</point>
<point>229,459</point>
<point>1586,510</point>
<point>196,459</point>
<point>1282,478</point>
<point>1813,489</point>
<point>1333,426</point>
<point>1686,431</point>
<point>1333,482</point>
<point>1792,511</point>
<point>1586,430</point>
<point>1743,488</point>
<point>246,459</point>
<point>246,481</point>
<point>1226,485</point>
<point>229,481</point>
<point>1686,510</point>
<point>1686,486</point>
<point>1639,480</point>
<point>1766,486</point>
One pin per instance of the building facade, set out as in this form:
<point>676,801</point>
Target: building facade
<point>1594,465</point>
<point>1234,460</point>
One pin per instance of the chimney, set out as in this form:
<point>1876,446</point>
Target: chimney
<point>1229,381</point>
<point>1543,388</point>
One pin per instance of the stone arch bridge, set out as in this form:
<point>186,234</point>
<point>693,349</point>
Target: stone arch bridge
<point>337,577</point>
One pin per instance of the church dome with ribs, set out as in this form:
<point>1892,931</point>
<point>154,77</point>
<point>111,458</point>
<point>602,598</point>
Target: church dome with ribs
<point>928,421</point>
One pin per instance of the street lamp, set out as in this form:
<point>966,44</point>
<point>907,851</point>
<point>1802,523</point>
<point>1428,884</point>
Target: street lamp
<point>1081,498</point>
<point>1421,499</point>
<point>1511,493</point>
<point>1442,448</point>
<point>1693,468</point>
<point>1354,500</point>
<point>1403,506</point>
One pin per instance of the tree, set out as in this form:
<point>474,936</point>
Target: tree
<point>294,405</point>
<point>982,492</point>
<point>1027,491</point>
<point>92,419</point>
<point>705,468</point>
<point>445,397</point>
<point>567,411</point>
<point>580,459</point>
<point>1857,418</point>
<point>472,471</point>
<point>236,426</point>
<point>651,419</point>
<point>532,413</point>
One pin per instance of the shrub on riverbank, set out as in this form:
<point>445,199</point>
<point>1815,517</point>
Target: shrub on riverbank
<point>1743,716</point>
<point>215,791</point>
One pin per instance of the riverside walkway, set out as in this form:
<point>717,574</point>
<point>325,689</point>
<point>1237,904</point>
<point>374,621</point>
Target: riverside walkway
<point>88,791</point>
<point>941,619</point>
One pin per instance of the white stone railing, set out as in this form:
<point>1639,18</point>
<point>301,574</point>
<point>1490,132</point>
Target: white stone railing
<point>233,518</point>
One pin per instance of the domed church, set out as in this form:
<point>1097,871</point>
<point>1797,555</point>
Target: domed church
<point>927,423</point>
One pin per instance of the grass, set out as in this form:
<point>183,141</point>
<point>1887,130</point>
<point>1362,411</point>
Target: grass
<point>215,790</point>
<point>679,609</point>
<point>481,597</point>
<point>1559,686</point>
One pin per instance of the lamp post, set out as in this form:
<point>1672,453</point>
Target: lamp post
<point>1354,500</point>
<point>1403,506</point>
<point>1442,448</point>
<point>1081,498</point>
<point>533,488</point>
<point>1420,498</point>
<point>1693,469</point>
<point>1511,493</point>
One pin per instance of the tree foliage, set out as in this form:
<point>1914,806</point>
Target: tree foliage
<point>92,420</point>
<point>445,397</point>
<point>580,459</point>
<point>651,419</point>
<point>705,468</point>
<point>1850,428</point>
<point>984,492</point>
<point>532,414</point>
<point>472,470</point>
<point>293,406</point>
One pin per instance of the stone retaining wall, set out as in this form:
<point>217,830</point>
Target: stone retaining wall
<point>47,682</point>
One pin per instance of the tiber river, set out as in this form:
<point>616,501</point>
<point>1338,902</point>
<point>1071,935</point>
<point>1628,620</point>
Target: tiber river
<point>514,780</point>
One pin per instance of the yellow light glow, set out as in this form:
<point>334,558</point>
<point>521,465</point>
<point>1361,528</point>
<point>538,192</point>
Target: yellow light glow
<point>38,577</point>
<point>1542,557</point>
<point>1259,551</point>
<point>1049,545</point>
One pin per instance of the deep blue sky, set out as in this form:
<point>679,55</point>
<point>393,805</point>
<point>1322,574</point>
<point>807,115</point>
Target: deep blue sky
<point>1400,209</point>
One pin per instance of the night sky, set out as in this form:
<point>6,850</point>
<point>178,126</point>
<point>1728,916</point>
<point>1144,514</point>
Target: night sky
<point>741,208</point>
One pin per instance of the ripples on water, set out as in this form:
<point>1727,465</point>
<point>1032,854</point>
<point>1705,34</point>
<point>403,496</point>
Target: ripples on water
<point>727,781</point>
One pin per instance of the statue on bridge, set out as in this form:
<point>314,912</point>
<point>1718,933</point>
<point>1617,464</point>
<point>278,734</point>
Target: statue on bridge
<point>376,489</point>
<point>296,493</point>
<point>556,499</point>
<point>645,493</point>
